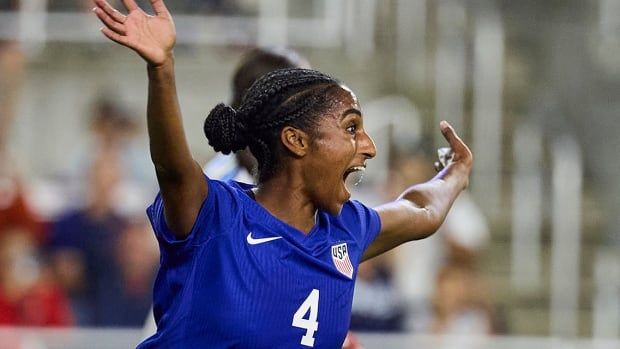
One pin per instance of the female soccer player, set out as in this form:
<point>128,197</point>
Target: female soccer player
<point>272,265</point>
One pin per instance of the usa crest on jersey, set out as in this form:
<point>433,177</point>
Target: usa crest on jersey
<point>340,256</point>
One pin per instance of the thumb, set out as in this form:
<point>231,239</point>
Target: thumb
<point>450,135</point>
<point>460,149</point>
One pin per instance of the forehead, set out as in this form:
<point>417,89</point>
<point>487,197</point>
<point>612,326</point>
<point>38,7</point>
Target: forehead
<point>345,90</point>
<point>342,99</point>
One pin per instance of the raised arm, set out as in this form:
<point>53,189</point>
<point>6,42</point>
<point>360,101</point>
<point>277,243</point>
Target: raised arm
<point>180,178</point>
<point>420,210</point>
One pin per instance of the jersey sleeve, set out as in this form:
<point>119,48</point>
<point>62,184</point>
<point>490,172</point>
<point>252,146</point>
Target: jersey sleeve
<point>216,213</point>
<point>363,219</point>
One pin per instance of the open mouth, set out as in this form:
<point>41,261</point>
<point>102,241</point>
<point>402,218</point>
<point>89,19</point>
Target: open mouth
<point>354,174</point>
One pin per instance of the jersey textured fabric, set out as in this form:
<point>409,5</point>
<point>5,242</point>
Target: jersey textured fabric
<point>244,279</point>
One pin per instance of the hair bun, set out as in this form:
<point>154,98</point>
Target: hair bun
<point>224,131</point>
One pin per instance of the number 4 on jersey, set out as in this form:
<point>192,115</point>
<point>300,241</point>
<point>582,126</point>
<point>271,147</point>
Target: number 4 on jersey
<point>311,307</point>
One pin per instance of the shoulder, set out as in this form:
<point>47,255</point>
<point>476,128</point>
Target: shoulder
<point>227,190</point>
<point>220,209</point>
<point>355,210</point>
<point>358,217</point>
<point>364,222</point>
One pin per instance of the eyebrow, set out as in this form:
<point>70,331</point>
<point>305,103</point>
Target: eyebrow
<point>350,111</point>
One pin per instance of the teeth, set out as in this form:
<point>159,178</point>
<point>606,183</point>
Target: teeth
<point>356,168</point>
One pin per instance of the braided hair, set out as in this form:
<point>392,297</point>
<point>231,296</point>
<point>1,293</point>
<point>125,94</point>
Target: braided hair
<point>285,97</point>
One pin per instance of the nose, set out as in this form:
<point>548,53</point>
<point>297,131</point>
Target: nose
<point>367,146</point>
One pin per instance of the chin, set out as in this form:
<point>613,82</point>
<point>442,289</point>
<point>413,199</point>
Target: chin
<point>335,209</point>
<point>333,203</point>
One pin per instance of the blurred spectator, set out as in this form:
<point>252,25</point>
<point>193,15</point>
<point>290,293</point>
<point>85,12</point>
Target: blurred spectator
<point>15,210</point>
<point>82,242</point>
<point>126,299</point>
<point>12,65</point>
<point>459,241</point>
<point>110,124</point>
<point>12,62</point>
<point>461,303</point>
<point>104,260</point>
<point>28,296</point>
<point>465,232</point>
<point>114,129</point>
<point>377,305</point>
<point>115,134</point>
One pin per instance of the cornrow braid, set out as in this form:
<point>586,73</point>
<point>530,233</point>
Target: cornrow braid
<point>268,92</point>
<point>290,113</point>
<point>285,97</point>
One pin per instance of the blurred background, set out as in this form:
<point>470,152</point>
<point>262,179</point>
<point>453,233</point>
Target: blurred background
<point>528,257</point>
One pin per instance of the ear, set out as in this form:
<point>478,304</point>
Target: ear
<point>295,140</point>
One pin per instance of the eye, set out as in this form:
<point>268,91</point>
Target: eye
<point>352,128</point>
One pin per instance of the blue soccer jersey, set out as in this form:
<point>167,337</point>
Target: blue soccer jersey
<point>245,279</point>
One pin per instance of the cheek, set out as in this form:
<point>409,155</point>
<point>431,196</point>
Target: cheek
<point>336,146</point>
<point>334,155</point>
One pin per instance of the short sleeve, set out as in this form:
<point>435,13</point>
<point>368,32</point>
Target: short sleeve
<point>364,219</point>
<point>216,213</point>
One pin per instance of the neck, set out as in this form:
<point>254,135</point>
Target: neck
<point>286,199</point>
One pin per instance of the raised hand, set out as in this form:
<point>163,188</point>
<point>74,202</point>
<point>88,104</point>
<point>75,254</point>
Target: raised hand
<point>458,154</point>
<point>152,37</point>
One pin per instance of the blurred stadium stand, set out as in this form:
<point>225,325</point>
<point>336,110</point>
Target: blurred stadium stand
<point>531,85</point>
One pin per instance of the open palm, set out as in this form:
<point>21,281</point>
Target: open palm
<point>152,37</point>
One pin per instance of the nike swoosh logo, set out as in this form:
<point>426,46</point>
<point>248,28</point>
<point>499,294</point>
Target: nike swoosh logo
<point>253,241</point>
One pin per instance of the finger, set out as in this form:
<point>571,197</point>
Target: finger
<point>130,5</point>
<point>114,36</point>
<point>111,11</point>
<point>159,7</point>
<point>450,135</point>
<point>109,22</point>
